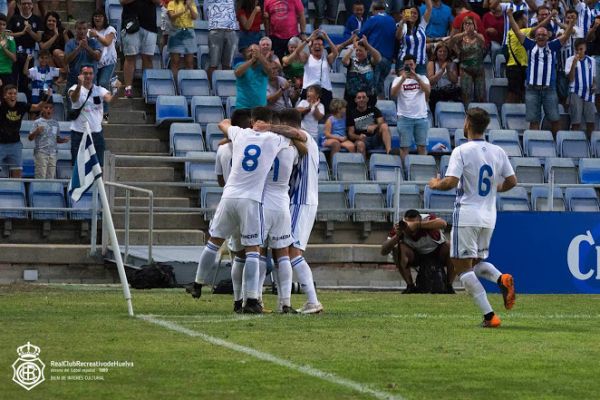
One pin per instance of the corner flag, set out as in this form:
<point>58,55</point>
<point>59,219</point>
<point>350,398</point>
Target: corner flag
<point>86,169</point>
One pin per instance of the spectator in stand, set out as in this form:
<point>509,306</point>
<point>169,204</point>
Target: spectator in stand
<point>42,76</point>
<point>281,19</point>
<point>293,70</point>
<point>80,51</point>
<point>106,36</point>
<point>11,115</point>
<point>336,134</point>
<point>411,34</point>
<point>587,12</point>
<point>165,23</point>
<point>478,7</point>
<point>312,111</point>
<point>568,50</point>
<point>8,50</point>
<point>493,23</point>
<point>24,27</point>
<point>325,10</point>
<point>355,21</point>
<point>366,4</point>
<point>470,47</point>
<point>581,70</point>
<point>366,127</point>
<point>412,91</point>
<point>138,36</point>
<point>440,23</point>
<point>88,97</point>
<point>278,89</point>
<point>461,11</point>
<point>222,36</point>
<point>544,14</point>
<point>541,74</point>
<point>182,39</point>
<point>443,77</point>
<point>360,71</point>
<point>593,40</point>
<point>249,15</point>
<point>7,7</point>
<point>54,39</point>
<point>526,6</point>
<point>516,64</point>
<point>251,79</point>
<point>45,133</point>
<point>266,48</point>
<point>380,30</point>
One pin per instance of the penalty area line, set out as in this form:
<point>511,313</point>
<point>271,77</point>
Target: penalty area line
<point>304,369</point>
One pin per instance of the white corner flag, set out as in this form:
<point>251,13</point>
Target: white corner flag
<point>86,171</point>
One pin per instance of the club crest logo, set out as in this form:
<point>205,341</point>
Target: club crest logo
<point>28,370</point>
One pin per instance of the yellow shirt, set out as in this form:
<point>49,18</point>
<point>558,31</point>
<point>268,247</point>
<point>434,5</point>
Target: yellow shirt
<point>517,48</point>
<point>185,20</point>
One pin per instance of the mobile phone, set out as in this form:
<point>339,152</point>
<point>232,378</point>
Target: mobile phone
<point>407,14</point>
<point>406,68</point>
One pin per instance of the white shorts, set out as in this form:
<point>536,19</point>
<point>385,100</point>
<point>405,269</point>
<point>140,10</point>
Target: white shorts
<point>238,215</point>
<point>234,243</point>
<point>470,242</point>
<point>303,219</point>
<point>278,228</point>
<point>141,42</point>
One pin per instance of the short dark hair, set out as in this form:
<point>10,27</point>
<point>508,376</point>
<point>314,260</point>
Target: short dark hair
<point>262,114</point>
<point>8,87</point>
<point>358,3</point>
<point>241,118</point>
<point>409,57</point>
<point>572,11</point>
<point>86,66</point>
<point>3,17</point>
<point>479,120</point>
<point>412,213</point>
<point>579,42</point>
<point>378,5</point>
<point>44,53</point>
<point>81,22</point>
<point>290,117</point>
<point>517,15</point>
<point>543,7</point>
<point>101,12</point>
<point>315,88</point>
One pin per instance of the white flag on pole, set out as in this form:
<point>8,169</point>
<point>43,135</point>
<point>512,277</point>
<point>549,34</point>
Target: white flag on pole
<point>86,168</point>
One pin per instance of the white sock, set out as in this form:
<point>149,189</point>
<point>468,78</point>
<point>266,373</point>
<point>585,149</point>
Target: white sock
<point>476,290</point>
<point>305,277</point>
<point>487,271</point>
<point>251,275</point>
<point>237,271</point>
<point>262,271</point>
<point>284,288</point>
<point>207,259</point>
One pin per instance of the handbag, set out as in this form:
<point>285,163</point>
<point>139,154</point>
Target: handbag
<point>131,25</point>
<point>74,113</point>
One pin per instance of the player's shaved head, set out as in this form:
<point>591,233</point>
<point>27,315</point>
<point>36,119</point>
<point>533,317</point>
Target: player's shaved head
<point>290,117</point>
<point>262,114</point>
<point>477,121</point>
<point>241,118</point>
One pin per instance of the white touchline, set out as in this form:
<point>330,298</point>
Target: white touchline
<point>305,369</point>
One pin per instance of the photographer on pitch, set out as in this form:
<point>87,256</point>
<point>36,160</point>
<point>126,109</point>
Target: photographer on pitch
<point>419,241</point>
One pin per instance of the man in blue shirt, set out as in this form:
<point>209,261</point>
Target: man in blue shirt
<point>440,22</point>
<point>380,30</point>
<point>251,79</point>
<point>81,51</point>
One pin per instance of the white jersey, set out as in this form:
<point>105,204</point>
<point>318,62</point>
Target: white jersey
<point>480,166</point>
<point>252,157</point>
<point>276,194</point>
<point>223,161</point>
<point>304,185</point>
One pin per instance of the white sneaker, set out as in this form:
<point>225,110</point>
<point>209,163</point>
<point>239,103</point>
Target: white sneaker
<point>311,308</point>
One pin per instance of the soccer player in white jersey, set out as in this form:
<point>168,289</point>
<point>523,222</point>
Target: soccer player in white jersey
<point>478,170</point>
<point>240,206</point>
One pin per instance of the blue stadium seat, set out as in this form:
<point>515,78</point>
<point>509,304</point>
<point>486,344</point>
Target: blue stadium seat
<point>497,91</point>
<point>193,82</point>
<point>513,116</point>
<point>323,167</point>
<point>582,199</point>
<point>492,111</point>
<point>595,144</point>
<point>183,129</point>
<point>207,109</point>
<point>64,166</point>
<point>383,167</point>
<point>459,137</point>
<point>171,109</point>
<point>47,195</point>
<point>28,163</point>
<point>59,107</point>
<point>27,144</point>
<point>335,32</point>
<point>449,115</point>
<point>230,106</point>
<point>26,126</point>
<point>589,170</point>
<point>65,128</point>
<point>210,196</point>
<point>539,199</point>
<point>12,194</point>
<point>364,197</point>
<point>528,169</point>
<point>420,168</point>
<point>201,31</point>
<point>213,136</point>
<point>202,170</point>
<point>438,199</point>
<point>349,167</point>
<point>332,196</point>
<point>157,64</point>
<point>338,84</point>
<point>444,161</point>
<point>409,197</point>
<point>186,138</point>
<point>565,171</point>
<point>157,82</point>
<point>223,84</point>
<point>202,56</point>
<point>438,141</point>
<point>83,207</point>
<point>389,111</point>
<point>539,144</point>
<point>572,144</point>
<point>514,200</point>
<point>508,139</point>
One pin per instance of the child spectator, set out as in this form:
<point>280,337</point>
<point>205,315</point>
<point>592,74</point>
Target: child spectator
<point>249,16</point>
<point>24,26</point>
<point>42,76</point>
<point>54,39</point>
<point>45,133</point>
<point>354,22</point>
<point>7,53</point>
<point>106,35</point>
<point>336,136</point>
<point>581,69</point>
<point>312,111</point>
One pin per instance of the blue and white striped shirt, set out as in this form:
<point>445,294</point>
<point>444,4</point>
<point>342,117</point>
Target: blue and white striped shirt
<point>569,47</point>
<point>586,16</point>
<point>541,68</point>
<point>584,77</point>
<point>515,7</point>
<point>414,43</point>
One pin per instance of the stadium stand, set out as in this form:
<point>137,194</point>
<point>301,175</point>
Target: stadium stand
<point>420,168</point>
<point>439,200</point>
<point>565,171</point>
<point>539,144</point>
<point>438,141</point>
<point>212,136</point>
<point>332,196</point>
<point>513,116</point>
<point>528,169</point>
<point>349,167</point>
<point>539,199</point>
<point>209,198</point>
<point>184,129</point>
<point>207,109</point>
<point>582,199</point>
<point>323,167</point>
<point>47,195</point>
<point>449,115</point>
<point>171,109</point>
<point>12,194</point>
<point>223,84</point>
<point>383,167</point>
<point>508,139</point>
<point>193,82</point>
<point>589,170</point>
<point>410,196</point>
<point>572,144</point>
<point>202,170</point>
<point>363,197</point>
<point>514,200</point>
<point>157,82</point>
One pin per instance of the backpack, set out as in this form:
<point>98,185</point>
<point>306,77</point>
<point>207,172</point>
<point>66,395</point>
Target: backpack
<point>223,287</point>
<point>431,278</point>
<point>151,276</point>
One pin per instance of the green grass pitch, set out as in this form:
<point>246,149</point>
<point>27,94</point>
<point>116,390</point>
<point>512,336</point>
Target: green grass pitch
<point>385,344</point>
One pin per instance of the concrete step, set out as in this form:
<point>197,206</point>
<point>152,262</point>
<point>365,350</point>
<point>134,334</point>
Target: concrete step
<point>129,117</point>
<point>147,174</point>
<point>133,131</point>
<point>135,103</point>
<point>11,253</point>
<point>161,220</point>
<point>136,145</point>
<point>173,237</point>
<point>158,201</point>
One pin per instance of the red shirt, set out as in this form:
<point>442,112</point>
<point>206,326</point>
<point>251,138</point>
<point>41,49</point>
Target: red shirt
<point>255,24</point>
<point>491,21</point>
<point>457,24</point>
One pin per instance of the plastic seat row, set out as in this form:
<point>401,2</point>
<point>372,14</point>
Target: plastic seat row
<point>63,164</point>
<point>574,199</point>
<point>204,110</point>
